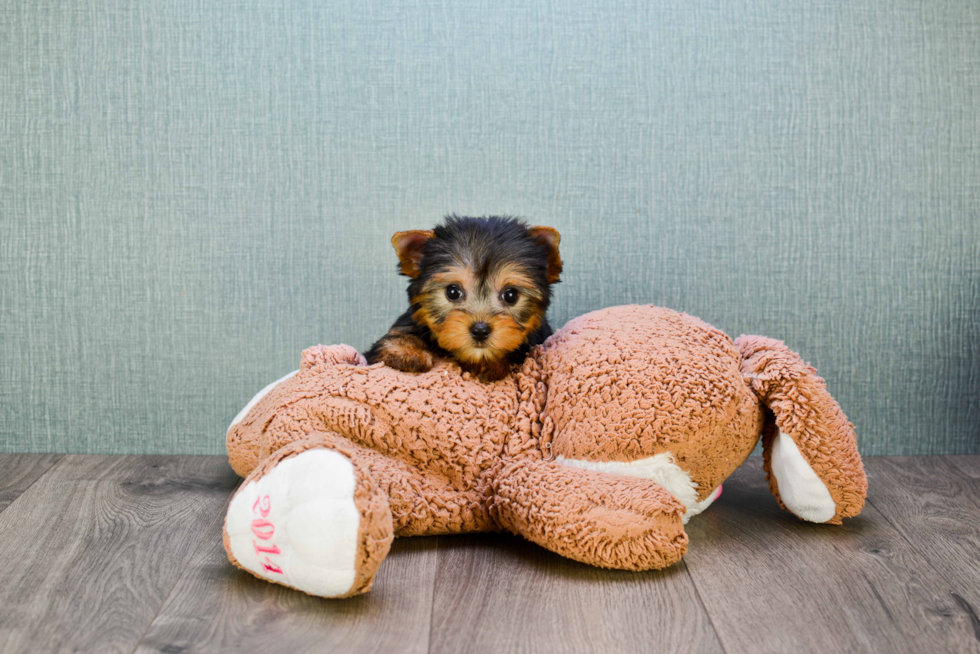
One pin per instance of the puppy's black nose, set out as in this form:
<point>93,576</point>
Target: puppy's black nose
<point>480,330</point>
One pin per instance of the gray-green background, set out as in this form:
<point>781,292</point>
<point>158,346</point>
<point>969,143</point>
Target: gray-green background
<point>192,192</point>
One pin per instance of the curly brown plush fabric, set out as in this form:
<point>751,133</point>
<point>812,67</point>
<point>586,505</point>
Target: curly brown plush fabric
<point>622,424</point>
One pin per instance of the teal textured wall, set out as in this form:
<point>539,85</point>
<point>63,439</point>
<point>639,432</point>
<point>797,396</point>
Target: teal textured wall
<point>192,192</point>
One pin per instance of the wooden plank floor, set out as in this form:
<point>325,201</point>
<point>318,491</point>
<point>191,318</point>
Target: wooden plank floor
<point>123,554</point>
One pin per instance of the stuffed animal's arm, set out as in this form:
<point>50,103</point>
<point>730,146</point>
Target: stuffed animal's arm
<point>319,357</point>
<point>605,520</point>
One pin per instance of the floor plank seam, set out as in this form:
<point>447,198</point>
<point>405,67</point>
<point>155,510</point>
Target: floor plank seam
<point>54,464</point>
<point>704,607</point>
<point>432,605</point>
<point>200,543</point>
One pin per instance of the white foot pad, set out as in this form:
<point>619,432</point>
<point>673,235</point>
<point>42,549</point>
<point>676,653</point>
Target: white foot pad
<point>801,490</point>
<point>298,524</point>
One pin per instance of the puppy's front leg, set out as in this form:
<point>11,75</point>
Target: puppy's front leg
<point>487,371</point>
<point>401,351</point>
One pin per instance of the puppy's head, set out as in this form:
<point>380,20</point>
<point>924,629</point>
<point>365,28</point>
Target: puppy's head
<point>482,285</point>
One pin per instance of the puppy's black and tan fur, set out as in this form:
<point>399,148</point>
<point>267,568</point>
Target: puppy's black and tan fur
<point>479,293</point>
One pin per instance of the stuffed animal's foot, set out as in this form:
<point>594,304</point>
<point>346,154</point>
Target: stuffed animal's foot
<point>312,519</point>
<point>812,461</point>
<point>800,488</point>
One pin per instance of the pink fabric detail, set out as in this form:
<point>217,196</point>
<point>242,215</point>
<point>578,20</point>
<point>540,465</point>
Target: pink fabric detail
<point>259,549</point>
<point>263,529</point>
<point>261,506</point>
<point>269,566</point>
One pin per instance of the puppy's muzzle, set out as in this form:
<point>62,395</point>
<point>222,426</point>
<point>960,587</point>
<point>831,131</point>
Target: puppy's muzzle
<point>480,331</point>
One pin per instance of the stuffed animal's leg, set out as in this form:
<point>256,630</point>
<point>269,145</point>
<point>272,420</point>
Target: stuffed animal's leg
<point>605,520</point>
<point>421,502</point>
<point>246,440</point>
<point>810,453</point>
<point>312,518</point>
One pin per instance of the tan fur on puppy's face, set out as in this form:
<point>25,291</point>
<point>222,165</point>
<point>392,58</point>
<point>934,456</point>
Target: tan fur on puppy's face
<point>450,321</point>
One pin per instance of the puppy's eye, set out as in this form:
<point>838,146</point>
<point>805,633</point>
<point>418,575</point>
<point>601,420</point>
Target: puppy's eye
<point>453,292</point>
<point>510,295</point>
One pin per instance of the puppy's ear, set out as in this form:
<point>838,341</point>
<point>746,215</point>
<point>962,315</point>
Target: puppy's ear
<point>549,237</point>
<point>408,245</point>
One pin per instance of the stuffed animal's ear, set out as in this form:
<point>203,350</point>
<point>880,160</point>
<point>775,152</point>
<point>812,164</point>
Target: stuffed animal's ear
<point>408,245</point>
<point>549,237</point>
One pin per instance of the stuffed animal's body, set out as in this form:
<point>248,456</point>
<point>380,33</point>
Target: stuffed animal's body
<point>610,436</point>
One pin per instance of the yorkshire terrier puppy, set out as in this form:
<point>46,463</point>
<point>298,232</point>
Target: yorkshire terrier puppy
<point>479,293</point>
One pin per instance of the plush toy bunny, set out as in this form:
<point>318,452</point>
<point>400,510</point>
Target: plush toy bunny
<point>608,438</point>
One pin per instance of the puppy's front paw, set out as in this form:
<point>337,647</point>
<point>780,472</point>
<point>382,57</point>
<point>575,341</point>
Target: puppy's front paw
<point>487,371</point>
<point>409,362</point>
<point>408,354</point>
